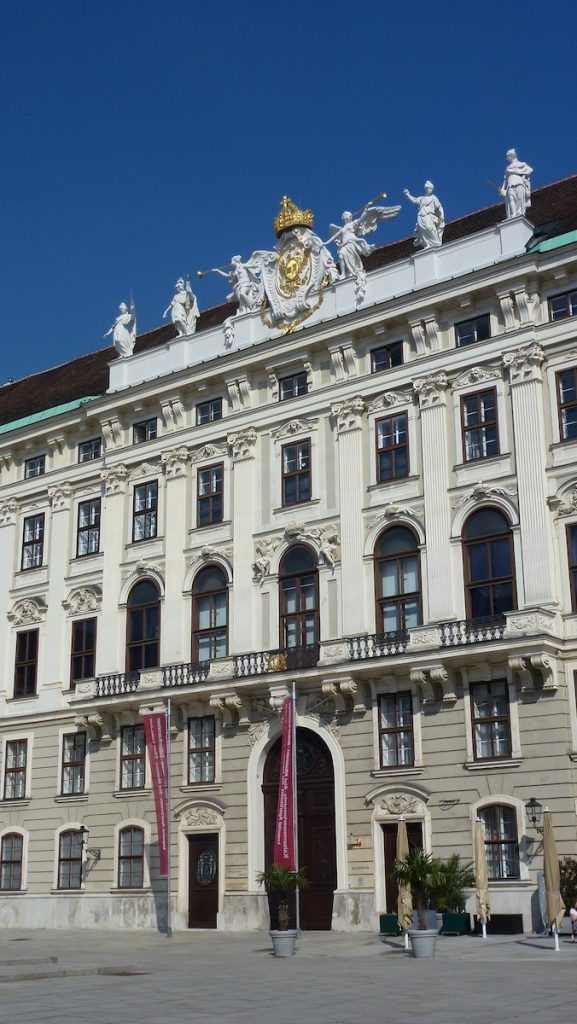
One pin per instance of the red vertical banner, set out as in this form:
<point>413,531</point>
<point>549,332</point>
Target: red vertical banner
<point>155,723</point>
<point>284,837</point>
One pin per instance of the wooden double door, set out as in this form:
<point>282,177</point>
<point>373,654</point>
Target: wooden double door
<point>316,824</point>
<point>202,880</point>
<point>415,837</point>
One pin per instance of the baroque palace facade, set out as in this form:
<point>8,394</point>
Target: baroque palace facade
<point>379,506</point>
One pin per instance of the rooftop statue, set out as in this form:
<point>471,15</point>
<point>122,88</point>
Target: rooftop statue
<point>123,330</point>
<point>430,218</point>
<point>246,282</point>
<point>516,187</point>
<point>183,308</point>
<point>351,246</point>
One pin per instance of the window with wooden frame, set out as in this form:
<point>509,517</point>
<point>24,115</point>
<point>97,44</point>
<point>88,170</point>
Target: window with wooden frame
<point>396,741</point>
<point>145,511</point>
<point>567,396</point>
<point>209,615</point>
<point>26,663</point>
<point>144,431</point>
<point>73,763</point>
<point>397,580</point>
<point>33,542</point>
<point>293,386</point>
<point>470,331</point>
<point>36,466</point>
<point>132,757</point>
<point>83,651</point>
<point>386,356</point>
<point>490,720</point>
<point>70,851</point>
<point>572,557</point>
<point>392,447</point>
<point>501,842</point>
<point>208,412</point>
<point>143,627</point>
<point>563,305</point>
<point>11,855</point>
<point>209,495</point>
<point>201,749</point>
<point>489,564</point>
<point>131,857</point>
<point>479,426</point>
<point>296,473</point>
<point>90,450</point>
<point>15,764</point>
<point>88,533</point>
<point>299,598</point>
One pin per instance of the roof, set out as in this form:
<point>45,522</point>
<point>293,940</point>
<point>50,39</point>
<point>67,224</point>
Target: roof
<point>553,212</point>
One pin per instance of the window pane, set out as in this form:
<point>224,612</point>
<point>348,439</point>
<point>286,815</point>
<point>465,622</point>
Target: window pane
<point>412,614</point>
<point>388,576</point>
<point>478,562</point>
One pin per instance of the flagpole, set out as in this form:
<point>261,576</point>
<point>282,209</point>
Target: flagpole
<point>295,809</point>
<point>168,826</point>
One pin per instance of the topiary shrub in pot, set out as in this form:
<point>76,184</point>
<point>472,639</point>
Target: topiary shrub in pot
<point>280,883</point>
<point>418,872</point>
<point>452,878</point>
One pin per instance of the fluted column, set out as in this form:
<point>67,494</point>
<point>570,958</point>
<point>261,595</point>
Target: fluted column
<point>242,445</point>
<point>9,509</point>
<point>108,656</point>
<point>174,629</point>
<point>526,380</point>
<point>432,395</point>
<point>60,500</point>
<point>349,422</point>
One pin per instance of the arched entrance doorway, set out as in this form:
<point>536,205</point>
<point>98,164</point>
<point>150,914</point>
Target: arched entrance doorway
<point>316,824</point>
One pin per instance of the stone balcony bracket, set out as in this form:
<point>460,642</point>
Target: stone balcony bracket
<point>435,684</point>
<point>233,709</point>
<point>277,696</point>
<point>534,673</point>
<point>345,695</point>
<point>99,726</point>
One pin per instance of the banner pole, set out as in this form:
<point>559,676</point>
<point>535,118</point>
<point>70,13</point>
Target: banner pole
<point>168,826</point>
<point>295,808</point>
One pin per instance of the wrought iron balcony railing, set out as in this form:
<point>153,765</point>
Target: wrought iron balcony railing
<point>116,683</point>
<point>284,660</point>
<point>472,631</point>
<point>185,675</point>
<point>378,645</point>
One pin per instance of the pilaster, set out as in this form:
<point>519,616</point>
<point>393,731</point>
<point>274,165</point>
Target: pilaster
<point>175,463</point>
<point>242,446</point>
<point>9,510</point>
<point>107,656</point>
<point>348,416</point>
<point>60,501</point>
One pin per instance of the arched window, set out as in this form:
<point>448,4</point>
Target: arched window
<point>11,862</point>
<point>143,627</point>
<point>299,598</point>
<point>397,580</point>
<point>131,858</point>
<point>209,615</point>
<point>501,843</point>
<point>70,860</point>
<point>489,564</point>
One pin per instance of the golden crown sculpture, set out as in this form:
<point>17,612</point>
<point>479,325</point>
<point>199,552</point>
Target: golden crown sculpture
<point>291,216</point>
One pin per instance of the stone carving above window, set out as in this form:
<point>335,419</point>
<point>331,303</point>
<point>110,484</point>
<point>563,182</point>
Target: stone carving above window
<point>390,399</point>
<point>483,492</point>
<point>476,375</point>
<point>565,502</point>
<point>291,427</point>
<point>145,469</point>
<point>208,451</point>
<point>87,599</point>
<point>8,511</point>
<point>27,612</point>
<point>200,817</point>
<point>264,551</point>
<point>400,803</point>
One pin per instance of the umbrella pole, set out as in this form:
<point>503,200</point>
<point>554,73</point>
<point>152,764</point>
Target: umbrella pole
<point>406,940</point>
<point>484,929</point>
<point>556,937</point>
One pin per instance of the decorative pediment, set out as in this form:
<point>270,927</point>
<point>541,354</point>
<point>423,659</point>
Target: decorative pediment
<point>564,503</point>
<point>145,469</point>
<point>390,802</point>
<point>86,599</point>
<point>208,451</point>
<point>27,611</point>
<point>298,426</point>
<point>390,399</point>
<point>476,375</point>
<point>483,492</point>
<point>325,538</point>
<point>209,554</point>
<point>200,817</point>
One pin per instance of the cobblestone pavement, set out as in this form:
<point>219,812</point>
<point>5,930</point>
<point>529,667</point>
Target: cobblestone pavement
<point>218,978</point>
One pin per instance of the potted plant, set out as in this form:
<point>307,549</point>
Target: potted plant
<point>452,878</point>
<point>280,883</point>
<point>418,872</point>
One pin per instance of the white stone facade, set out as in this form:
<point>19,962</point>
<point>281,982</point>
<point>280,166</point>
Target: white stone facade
<point>531,479</point>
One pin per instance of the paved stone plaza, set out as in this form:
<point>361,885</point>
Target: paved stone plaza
<point>215,978</point>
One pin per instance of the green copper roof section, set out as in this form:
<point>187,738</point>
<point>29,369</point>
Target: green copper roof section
<point>46,414</point>
<point>555,243</point>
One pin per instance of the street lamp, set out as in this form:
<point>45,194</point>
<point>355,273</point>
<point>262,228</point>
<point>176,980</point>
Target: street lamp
<point>95,852</point>
<point>534,808</point>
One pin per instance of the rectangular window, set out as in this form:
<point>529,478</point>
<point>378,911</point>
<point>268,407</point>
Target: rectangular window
<point>479,425</point>
<point>11,863</point>
<point>470,331</point>
<point>567,391</point>
<point>132,757</point>
<point>572,551</point>
<point>70,860</point>
<point>293,386</point>
<point>83,654</point>
<point>144,522</point>
<point>144,431</point>
<point>26,665</point>
<point>386,356</point>
<point>563,306</point>
<point>131,858</point>
<point>392,448</point>
<point>90,450</point>
<point>396,729</point>
<point>33,542</point>
<point>209,495</point>
<point>208,412</point>
<point>296,473</point>
<point>501,843</point>
<point>88,535</point>
<point>35,466</point>
<point>490,716</point>
<point>15,769</point>
<point>201,740</point>
<point>73,763</point>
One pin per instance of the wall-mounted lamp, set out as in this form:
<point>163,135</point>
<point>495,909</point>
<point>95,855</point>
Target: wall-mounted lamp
<point>95,853</point>
<point>534,809</point>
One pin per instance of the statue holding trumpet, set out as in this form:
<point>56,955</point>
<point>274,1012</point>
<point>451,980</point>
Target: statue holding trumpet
<point>350,243</point>
<point>247,287</point>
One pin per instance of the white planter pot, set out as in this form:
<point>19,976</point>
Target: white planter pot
<point>423,942</point>
<point>283,943</point>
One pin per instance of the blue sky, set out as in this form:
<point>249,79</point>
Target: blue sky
<point>145,139</point>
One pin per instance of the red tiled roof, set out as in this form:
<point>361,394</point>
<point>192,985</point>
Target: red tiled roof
<point>553,211</point>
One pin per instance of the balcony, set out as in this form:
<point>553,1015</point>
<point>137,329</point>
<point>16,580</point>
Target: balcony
<point>472,631</point>
<point>287,660</point>
<point>379,645</point>
<point>185,675</point>
<point>116,684</point>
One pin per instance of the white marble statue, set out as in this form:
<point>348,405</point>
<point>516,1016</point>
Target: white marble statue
<point>351,246</point>
<point>516,187</point>
<point>430,218</point>
<point>123,330</point>
<point>183,308</point>
<point>247,287</point>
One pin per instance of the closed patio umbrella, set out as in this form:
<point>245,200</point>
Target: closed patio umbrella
<point>555,906</point>
<point>481,878</point>
<point>404,899</point>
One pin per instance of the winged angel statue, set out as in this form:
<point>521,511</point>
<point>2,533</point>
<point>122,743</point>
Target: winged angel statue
<point>351,245</point>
